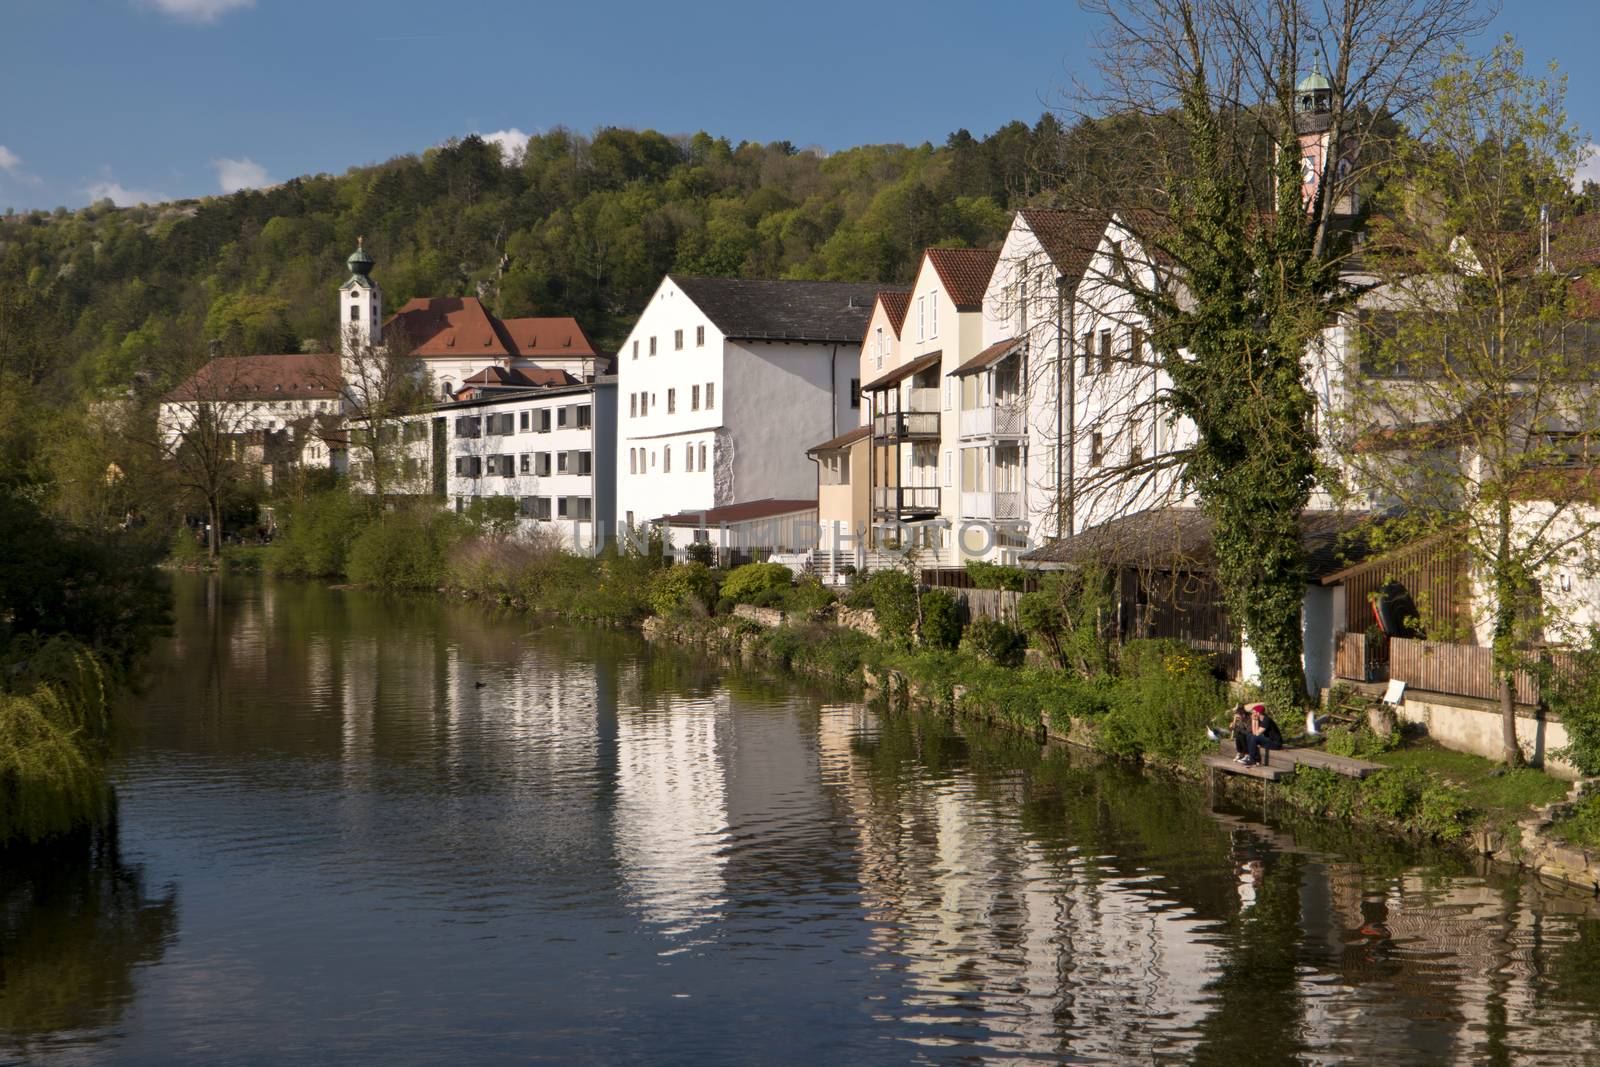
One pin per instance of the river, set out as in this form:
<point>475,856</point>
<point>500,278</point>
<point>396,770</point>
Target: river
<point>357,829</point>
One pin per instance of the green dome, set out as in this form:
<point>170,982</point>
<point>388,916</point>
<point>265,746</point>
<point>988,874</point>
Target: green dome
<point>1313,82</point>
<point>360,261</point>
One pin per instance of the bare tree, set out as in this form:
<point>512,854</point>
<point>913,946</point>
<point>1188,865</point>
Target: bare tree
<point>1478,408</point>
<point>203,428</point>
<point>381,385</point>
<point>1233,183</point>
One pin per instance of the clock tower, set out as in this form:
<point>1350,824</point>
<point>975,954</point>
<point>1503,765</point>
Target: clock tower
<point>1313,126</point>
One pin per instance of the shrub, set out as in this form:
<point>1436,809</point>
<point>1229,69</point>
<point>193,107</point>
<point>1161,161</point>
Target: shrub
<point>995,575</point>
<point>1575,697</point>
<point>1069,617</point>
<point>1394,794</point>
<point>994,641</point>
<point>1323,792</point>
<point>1163,701</point>
<point>683,587</point>
<point>810,597</point>
<point>725,605</point>
<point>701,552</point>
<point>1358,742</point>
<point>1443,811</point>
<point>893,598</point>
<point>744,584</point>
<point>317,534</point>
<point>941,621</point>
<point>407,550</point>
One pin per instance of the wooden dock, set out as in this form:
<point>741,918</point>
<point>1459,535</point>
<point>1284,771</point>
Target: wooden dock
<point>1270,773</point>
<point>1283,762</point>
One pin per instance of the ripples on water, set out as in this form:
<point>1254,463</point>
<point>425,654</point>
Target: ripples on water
<point>369,831</point>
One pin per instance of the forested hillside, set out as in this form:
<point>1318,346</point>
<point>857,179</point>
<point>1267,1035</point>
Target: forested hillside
<point>578,225</point>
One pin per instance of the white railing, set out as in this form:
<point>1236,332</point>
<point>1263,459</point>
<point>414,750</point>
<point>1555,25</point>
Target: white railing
<point>995,420</point>
<point>987,505</point>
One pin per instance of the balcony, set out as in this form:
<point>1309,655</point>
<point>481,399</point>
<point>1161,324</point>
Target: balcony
<point>999,506</point>
<point>906,501</point>
<point>906,425</point>
<point>995,420</point>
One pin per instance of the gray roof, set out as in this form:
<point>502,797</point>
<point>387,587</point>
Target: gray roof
<point>771,310</point>
<point>1179,538</point>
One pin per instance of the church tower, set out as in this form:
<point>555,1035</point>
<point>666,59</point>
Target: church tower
<point>360,306</point>
<point>1313,127</point>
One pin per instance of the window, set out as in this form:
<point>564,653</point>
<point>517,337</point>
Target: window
<point>1105,351</point>
<point>711,395</point>
<point>666,459</point>
<point>644,404</point>
<point>1136,448</point>
<point>633,405</point>
<point>525,465</point>
<point>561,462</point>
<point>677,340</point>
<point>541,420</point>
<point>633,461</point>
<point>1097,450</point>
<point>585,462</point>
<point>921,317</point>
<point>522,422</point>
<point>877,349</point>
<point>561,506</point>
<point>699,336</point>
<point>1136,344</point>
<point>562,416</point>
<point>702,457</point>
<point>949,468</point>
<point>1087,345</point>
<point>855,392</point>
<point>585,416</point>
<point>652,346</point>
<point>636,350</point>
<point>672,401</point>
<point>688,456</point>
<point>467,426</point>
<point>933,313</point>
<point>541,464</point>
<point>469,466</point>
<point>694,398</point>
<point>355,312</point>
<point>576,507</point>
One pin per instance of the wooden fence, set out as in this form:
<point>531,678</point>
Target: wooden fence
<point>987,603</point>
<point>1464,670</point>
<point>1357,659</point>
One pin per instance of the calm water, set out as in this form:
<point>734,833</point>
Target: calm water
<point>358,830</point>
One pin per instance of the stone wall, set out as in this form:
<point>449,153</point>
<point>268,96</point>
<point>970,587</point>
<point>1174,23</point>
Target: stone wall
<point>861,620</point>
<point>1464,724</point>
<point>759,616</point>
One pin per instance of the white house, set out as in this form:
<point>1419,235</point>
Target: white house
<point>552,450</point>
<point>722,384</point>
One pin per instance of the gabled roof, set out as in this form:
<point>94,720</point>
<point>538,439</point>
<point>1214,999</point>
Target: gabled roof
<point>1180,539</point>
<point>988,357</point>
<point>1069,238</point>
<point>964,273</point>
<point>904,371</point>
<point>461,326</point>
<point>844,440</point>
<point>286,377</point>
<point>520,377</point>
<point>896,302</point>
<point>729,513</point>
<point>746,309</point>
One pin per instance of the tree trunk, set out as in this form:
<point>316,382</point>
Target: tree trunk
<point>214,533</point>
<point>1511,750</point>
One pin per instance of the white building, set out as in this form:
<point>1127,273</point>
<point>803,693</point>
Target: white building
<point>552,450</point>
<point>722,383</point>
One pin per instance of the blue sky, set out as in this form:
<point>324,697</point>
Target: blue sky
<point>155,99</point>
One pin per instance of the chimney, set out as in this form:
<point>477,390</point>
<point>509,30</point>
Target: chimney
<point>214,348</point>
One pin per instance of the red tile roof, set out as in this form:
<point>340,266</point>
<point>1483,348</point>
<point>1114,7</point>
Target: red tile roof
<point>521,377</point>
<point>1069,238</point>
<point>964,273</point>
<point>896,302</point>
<point>730,513</point>
<point>286,377</point>
<point>462,326</point>
<point>988,357</point>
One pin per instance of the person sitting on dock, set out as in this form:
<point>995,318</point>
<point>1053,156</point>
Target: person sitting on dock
<point>1240,728</point>
<point>1264,736</point>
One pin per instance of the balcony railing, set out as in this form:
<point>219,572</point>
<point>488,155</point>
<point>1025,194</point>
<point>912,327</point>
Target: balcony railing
<point>1001,505</point>
<point>904,500</point>
<point>903,425</point>
<point>996,420</point>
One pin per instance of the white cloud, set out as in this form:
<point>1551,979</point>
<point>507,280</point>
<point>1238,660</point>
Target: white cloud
<point>11,163</point>
<point>202,11</point>
<point>236,174</point>
<point>1589,168</point>
<point>512,142</point>
<point>121,195</point>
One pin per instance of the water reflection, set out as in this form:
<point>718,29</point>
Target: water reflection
<point>413,833</point>
<point>76,923</point>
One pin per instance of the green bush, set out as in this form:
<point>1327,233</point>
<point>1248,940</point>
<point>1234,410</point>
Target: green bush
<point>409,549</point>
<point>685,587</point>
<point>893,596</point>
<point>1575,697</point>
<point>744,584</point>
<point>1323,792</point>
<point>316,535</point>
<point>941,620</point>
<point>1395,793</point>
<point>995,575</point>
<point>1069,616</point>
<point>994,641</point>
<point>809,597</point>
<point>725,605</point>
<point>1162,702</point>
<point>1358,742</point>
<point>1443,810</point>
<point>701,552</point>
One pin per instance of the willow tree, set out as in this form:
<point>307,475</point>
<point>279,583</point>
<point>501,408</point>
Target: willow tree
<point>1478,408</point>
<point>1248,245</point>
